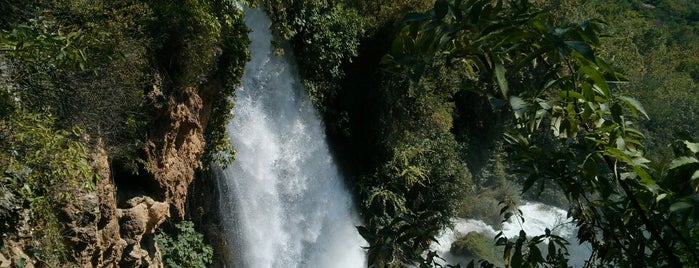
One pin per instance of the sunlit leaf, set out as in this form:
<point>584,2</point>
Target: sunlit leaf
<point>693,147</point>
<point>599,80</point>
<point>635,105</point>
<point>500,76</point>
<point>681,161</point>
<point>682,205</point>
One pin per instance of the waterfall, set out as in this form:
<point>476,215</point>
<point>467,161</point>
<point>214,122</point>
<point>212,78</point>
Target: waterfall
<point>284,203</point>
<point>537,217</point>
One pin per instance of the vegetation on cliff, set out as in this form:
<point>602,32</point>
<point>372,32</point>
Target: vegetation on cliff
<point>439,109</point>
<point>77,77</point>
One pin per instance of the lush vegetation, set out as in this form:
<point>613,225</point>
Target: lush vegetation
<point>324,34</point>
<point>80,76</point>
<point>183,246</point>
<point>477,245</point>
<point>439,109</point>
<point>526,100</point>
<point>46,180</point>
<point>654,44</point>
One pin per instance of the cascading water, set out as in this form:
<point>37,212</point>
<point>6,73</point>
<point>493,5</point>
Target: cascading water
<point>537,216</point>
<point>284,201</point>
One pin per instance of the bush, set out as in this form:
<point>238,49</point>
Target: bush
<point>183,246</point>
<point>46,167</point>
<point>324,35</point>
<point>83,62</point>
<point>378,14</point>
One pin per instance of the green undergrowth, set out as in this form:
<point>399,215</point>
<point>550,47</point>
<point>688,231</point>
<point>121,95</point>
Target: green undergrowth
<point>182,246</point>
<point>48,169</point>
<point>78,76</point>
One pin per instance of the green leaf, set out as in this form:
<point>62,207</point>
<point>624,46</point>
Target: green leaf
<point>415,17</point>
<point>618,154</point>
<point>681,161</point>
<point>599,80</point>
<point>519,106</point>
<point>660,197</point>
<point>634,105</point>
<point>693,147</point>
<point>620,143</point>
<point>535,254</point>
<point>551,249</point>
<point>682,205</point>
<point>441,7</point>
<point>365,233</point>
<point>500,75</point>
<point>496,102</point>
<point>569,95</point>
<point>583,48</point>
<point>617,113</point>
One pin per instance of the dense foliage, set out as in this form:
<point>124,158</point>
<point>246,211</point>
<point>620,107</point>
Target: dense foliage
<point>43,168</point>
<point>183,246</point>
<point>504,86</point>
<point>654,43</point>
<point>449,111</point>
<point>324,34</point>
<point>79,76</point>
<point>569,130</point>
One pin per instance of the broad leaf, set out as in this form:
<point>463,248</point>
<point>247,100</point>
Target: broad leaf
<point>582,48</point>
<point>500,75</point>
<point>634,105</point>
<point>519,106</point>
<point>682,205</point>
<point>599,80</point>
<point>693,147</point>
<point>681,161</point>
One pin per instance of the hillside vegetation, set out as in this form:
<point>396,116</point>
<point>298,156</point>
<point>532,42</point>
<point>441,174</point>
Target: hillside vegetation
<point>88,81</point>
<point>451,108</point>
<point>437,110</point>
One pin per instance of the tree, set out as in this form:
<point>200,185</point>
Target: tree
<point>570,128</point>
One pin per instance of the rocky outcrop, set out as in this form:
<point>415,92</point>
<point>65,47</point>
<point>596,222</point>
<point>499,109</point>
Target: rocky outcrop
<point>124,234</point>
<point>114,225</point>
<point>176,145</point>
<point>137,227</point>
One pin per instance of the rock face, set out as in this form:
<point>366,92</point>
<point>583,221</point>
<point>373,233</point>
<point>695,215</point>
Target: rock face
<point>114,225</point>
<point>176,145</point>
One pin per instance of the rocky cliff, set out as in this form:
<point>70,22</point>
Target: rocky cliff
<point>139,93</point>
<point>114,225</point>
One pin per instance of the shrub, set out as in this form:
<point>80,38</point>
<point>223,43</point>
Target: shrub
<point>183,246</point>
<point>46,167</point>
<point>324,35</point>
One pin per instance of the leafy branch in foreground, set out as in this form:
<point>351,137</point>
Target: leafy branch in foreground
<point>570,129</point>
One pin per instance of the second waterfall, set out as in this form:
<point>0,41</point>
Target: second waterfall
<point>284,201</point>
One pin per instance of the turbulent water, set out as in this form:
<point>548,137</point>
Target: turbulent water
<point>537,217</point>
<point>285,203</point>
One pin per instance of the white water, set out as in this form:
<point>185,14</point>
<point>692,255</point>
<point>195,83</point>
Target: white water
<point>285,201</point>
<point>537,217</point>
